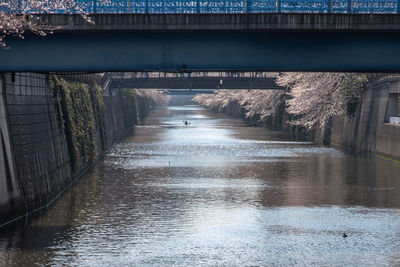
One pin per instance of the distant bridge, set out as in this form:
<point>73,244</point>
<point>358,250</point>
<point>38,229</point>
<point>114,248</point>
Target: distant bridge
<point>193,92</point>
<point>190,82</point>
<point>211,42</point>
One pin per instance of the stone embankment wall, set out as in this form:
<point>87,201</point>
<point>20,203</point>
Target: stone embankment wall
<point>368,130</point>
<point>52,129</point>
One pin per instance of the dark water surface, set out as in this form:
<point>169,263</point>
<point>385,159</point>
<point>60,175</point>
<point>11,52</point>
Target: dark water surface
<point>217,193</point>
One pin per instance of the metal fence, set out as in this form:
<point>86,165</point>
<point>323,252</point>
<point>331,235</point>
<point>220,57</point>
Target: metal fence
<point>226,6</point>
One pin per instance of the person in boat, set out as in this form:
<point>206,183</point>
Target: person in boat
<point>186,123</point>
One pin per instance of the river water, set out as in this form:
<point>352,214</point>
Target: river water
<point>217,193</point>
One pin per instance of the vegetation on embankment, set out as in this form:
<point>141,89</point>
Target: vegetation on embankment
<point>81,113</point>
<point>308,103</point>
<point>80,108</point>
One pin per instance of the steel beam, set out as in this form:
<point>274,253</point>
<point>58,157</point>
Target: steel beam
<point>204,51</point>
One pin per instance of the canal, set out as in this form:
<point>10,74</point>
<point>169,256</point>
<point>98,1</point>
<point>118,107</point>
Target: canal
<point>218,193</point>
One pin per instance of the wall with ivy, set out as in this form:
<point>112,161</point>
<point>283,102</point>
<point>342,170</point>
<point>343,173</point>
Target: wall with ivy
<point>59,126</point>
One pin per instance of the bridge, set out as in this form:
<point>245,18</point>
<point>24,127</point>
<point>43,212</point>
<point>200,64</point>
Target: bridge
<point>180,92</point>
<point>191,81</point>
<point>221,6</point>
<point>210,42</point>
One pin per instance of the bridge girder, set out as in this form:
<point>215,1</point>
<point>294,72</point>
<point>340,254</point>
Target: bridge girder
<point>246,42</point>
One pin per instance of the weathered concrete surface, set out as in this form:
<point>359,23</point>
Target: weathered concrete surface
<point>368,131</point>
<point>9,187</point>
<point>227,22</point>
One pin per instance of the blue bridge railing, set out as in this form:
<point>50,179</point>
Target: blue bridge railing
<point>230,6</point>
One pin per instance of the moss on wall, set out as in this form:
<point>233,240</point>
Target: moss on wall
<point>99,109</point>
<point>128,101</point>
<point>80,109</point>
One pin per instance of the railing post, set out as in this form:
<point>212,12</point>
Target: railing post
<point>398,6</point>
<point>329,3</point>
<point>128,6</point>
<point>146,8</point>
<point>349,6</point>
<point>94,6</point>
<point>278,6</point>
<point>247,5</point>
<point>198,6</point>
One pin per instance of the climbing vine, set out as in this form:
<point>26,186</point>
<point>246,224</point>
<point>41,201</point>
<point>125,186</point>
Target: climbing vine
<point>128,99</point>
<point>78,108</point>
<point>99,108</point>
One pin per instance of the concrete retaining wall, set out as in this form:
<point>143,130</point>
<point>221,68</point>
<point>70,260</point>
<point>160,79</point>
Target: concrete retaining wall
<point>35,160</point>
<point>368,129</point>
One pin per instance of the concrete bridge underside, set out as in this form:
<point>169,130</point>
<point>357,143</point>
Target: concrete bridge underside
<point>234,42</point>
<point>197,83</point>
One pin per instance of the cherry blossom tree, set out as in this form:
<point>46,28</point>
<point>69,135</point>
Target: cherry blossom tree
<point>315,97</point>
<point>157,96</point>
<point>18,16</point>
<point>264,103</point>
<point>311,98</point>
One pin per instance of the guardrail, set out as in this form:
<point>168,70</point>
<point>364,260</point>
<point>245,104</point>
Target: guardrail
<point>220,6</point>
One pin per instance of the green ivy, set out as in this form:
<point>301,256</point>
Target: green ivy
<point>98,107</point>
<point>352,90</point>
<point>128,99</point>
<point>354,85</point>
<point>80,109</point>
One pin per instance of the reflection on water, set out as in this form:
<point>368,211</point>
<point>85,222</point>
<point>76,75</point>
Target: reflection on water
<point>217,193</point>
